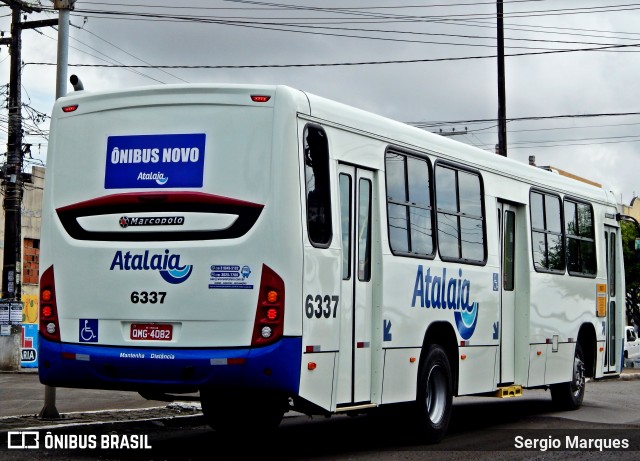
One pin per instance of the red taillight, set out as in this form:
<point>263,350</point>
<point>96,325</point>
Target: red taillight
<point>47,312</point>
<point>260,98</point>
<point>71,108</point>
<point>269,324</point>
<point>49,327</point>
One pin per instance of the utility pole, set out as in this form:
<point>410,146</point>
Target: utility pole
<point>64,7</point>
<point>49,410</point>
<point>502,111</point>
<point>13,167</point>
<point>12,204</point>
<point>13,181</point>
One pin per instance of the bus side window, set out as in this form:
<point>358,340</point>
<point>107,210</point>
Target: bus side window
<point>460,214</point>
<point>547,237</point>
<point>316,159</point>
<point>580,238</point>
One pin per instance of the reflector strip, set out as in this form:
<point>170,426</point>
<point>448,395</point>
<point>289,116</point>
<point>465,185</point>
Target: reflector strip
<point>312,349</point>
<point>232,361</point>
<point>362,344</point>
<point>72,356</point>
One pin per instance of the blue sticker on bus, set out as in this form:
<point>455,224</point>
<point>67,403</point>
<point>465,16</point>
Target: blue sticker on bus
<point>155,161</point>
<point>88,331</point>
<point>230,277</point>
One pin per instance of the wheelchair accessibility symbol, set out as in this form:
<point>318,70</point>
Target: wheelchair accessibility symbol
<point>88,331</point>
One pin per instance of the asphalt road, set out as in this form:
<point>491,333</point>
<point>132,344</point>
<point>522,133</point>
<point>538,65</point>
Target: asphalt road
<point>481,428</point>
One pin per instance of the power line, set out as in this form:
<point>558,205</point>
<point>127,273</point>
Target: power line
<point>518,119</point>
<point>387,17</point>
<point>335,64</point>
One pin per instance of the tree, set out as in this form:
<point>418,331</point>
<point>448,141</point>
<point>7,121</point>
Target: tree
<point>631,271</point>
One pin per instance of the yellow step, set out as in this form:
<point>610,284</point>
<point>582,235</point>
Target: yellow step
<point>509,391</point>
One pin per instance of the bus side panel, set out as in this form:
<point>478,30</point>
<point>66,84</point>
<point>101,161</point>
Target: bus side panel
<point>537,364</point>
<point>475,374</point>
<point>400,375</point>
<point>559,367</point>
<point>317,379</point>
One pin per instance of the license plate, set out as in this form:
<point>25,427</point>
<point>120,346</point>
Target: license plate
<point>151,331</point>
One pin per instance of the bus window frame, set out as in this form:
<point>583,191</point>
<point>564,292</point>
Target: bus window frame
<point>544,192</point>
<point>408,205</point>
<point>328,193</point>
<point>577,201</point>
<point>483,216</point>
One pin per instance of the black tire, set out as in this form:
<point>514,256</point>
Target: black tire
<point>231,412</point>
<point>434,396</point>
<point>569,396</point>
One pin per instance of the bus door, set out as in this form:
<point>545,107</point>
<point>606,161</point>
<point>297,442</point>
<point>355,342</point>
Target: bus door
<point>611,239</point>
<point>356,297</point>
<point>507,230</point>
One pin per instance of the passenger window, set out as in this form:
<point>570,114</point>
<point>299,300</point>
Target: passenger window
<point>316,159</point>
<point>345,219</point>
<point>409,207</point>
<point>508,251</point>
<point>364,231</point>
<point>580,237</point>
<point>460,215</point>
<point>546,233</point>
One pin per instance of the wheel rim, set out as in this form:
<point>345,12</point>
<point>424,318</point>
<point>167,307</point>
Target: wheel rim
<point>436,394</point>
<point>578,376</point>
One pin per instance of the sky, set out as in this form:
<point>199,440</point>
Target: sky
<point>571,68</point>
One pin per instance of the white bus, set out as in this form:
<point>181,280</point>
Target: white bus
<point>273,250</point>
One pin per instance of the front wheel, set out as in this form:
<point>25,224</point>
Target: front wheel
<point>434,397</point>
<point>569,396</point>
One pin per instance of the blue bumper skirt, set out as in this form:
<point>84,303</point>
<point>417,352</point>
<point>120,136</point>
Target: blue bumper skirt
<point>275,367</point>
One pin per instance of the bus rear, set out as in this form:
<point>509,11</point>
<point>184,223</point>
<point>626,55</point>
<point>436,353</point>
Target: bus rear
<point>166,214</point>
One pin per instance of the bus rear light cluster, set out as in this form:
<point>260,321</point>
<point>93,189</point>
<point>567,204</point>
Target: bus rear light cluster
<point>49,327</point>
<point>269,324</point>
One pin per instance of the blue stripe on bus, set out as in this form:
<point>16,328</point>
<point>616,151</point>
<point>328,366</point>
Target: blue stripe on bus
<point>274,367</point>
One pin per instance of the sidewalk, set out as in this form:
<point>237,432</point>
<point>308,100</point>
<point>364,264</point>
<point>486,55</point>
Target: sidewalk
<point>22,400</point>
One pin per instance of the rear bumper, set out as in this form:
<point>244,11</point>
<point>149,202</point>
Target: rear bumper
<point>275,367</point>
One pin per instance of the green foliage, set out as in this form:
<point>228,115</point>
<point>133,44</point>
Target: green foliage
<point>631,257</point>
<point>631,270</point>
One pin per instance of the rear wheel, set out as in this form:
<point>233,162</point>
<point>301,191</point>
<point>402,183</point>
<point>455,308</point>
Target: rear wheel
<point>228,411</point>
<point>434,399</point>
<point>569,396</point>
